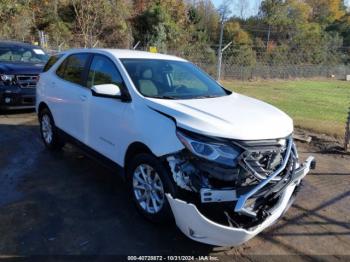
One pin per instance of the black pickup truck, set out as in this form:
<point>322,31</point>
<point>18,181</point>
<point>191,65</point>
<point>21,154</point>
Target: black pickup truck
<point>20,66</point>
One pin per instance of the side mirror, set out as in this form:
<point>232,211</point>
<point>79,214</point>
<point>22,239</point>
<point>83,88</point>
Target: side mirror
<point>106,90</point>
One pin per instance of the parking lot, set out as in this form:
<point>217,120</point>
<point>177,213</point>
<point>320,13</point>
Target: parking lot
<point>65,203</point>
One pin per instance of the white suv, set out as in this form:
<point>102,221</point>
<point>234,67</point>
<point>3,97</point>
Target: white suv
<point>222,164</point>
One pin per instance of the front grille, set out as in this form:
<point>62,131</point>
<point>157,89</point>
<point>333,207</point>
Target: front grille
<point>27,81</point>
<point>262,161</point>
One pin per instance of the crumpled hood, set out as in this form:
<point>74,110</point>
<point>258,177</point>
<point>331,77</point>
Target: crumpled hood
<point>234,116</point>
<point>17,68</point>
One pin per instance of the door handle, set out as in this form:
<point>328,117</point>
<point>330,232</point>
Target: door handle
<point>83,97</point>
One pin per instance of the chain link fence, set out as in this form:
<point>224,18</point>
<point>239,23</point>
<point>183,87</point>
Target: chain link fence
<point>244,73</point>
<point>235,66</point>
<point>245,66</point>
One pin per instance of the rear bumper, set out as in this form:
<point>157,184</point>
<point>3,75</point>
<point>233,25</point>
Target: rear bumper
<point>17,98</point>
<point>199,228</point>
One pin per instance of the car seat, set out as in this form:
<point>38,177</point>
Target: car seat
<point>146,85</point>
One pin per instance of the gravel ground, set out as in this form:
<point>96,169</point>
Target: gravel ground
<point>67,204</point>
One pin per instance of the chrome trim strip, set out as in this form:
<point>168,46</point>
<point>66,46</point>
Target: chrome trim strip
<point>240,205</point>
<point>27,81</point>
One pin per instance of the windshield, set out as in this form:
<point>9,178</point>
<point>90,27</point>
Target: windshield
<point>169,79</point>
<point>22,54</point>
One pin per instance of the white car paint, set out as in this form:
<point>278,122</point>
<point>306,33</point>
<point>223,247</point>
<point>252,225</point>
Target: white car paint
<point>107,89</point>
<point>133,122</point>
<point>197,227</point>
<point>234,116</point>
<point>110,126</point>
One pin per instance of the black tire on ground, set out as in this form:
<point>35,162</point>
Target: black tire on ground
<point>164,215</point>
<point>56,142</point>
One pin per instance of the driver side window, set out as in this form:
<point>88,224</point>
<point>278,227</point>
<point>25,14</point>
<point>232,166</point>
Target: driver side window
<point>103,71</point>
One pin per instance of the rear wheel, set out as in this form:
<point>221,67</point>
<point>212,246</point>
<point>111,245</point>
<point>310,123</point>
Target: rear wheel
<point>149,181</point>
<point>48,131</point>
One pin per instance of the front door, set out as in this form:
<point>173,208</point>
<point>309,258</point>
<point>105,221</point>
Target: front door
<point>106,119</point>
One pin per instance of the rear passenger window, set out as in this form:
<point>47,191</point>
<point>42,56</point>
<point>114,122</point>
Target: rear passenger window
<point>103,71</point>
<point>53,59</point>
<point>72,68</point>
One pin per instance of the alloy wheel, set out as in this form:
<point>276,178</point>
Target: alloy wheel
<point>46,129</point>
<point>148,189</point>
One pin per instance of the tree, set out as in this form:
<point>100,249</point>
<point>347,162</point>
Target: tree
<point>15,20</point>
<point>162,25</point>
<point>342,27</point>
<point>94,19</point>
<point>225,10</point>
<point>89,25</point>
<point>241,51</point>
<point>141,6</point>
<point>273,12</point>
<point>209,18</point>
<point>327,11</point>
<point>242,6</point>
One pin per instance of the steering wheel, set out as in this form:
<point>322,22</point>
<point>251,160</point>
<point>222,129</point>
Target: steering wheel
<point>181,88</point>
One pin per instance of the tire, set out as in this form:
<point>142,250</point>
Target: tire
<point>48,131</point>
<point>161,212</point>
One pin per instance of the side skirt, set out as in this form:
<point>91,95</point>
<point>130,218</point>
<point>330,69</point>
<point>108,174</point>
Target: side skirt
<point>106,162</point>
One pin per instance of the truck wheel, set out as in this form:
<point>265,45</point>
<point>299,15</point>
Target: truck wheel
<point>48,131</point>
<point>149,180</point>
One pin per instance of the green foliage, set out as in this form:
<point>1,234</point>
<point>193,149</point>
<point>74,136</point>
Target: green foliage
<point>284,32</point>
<point>241,51</point>
<point>274,12</point>
<point>342,27</point>
<point>15,20</point>
<point>156,27</point>
<point>297,31</point>
<point>326,12</point>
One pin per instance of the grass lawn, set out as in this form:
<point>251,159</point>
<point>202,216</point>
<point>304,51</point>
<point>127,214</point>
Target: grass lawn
<point>317,105</point>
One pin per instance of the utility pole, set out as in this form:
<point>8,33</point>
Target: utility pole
<point>224,11</point>
<point>268,37</point>
<point>218,75</point>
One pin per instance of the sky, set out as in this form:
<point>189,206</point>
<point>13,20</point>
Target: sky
<point>253,7</point>
<point>251,10</point>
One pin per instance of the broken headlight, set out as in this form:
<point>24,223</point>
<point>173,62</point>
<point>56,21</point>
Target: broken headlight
<point>211,150</point>
<point>6,79</point>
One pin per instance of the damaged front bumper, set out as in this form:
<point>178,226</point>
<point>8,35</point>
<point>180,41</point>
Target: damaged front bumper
<point>200,228</point>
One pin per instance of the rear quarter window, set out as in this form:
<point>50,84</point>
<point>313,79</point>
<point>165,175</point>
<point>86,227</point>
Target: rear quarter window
<point>72,68</point>
<point>53,59</point>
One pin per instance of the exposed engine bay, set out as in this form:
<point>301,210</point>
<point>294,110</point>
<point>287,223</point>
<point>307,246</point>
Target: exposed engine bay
<point>240,194</point>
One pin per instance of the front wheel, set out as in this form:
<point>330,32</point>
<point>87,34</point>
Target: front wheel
<point>149,180</point>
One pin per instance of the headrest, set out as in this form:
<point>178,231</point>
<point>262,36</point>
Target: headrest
<point>147,74</point>
<point>148,88</point>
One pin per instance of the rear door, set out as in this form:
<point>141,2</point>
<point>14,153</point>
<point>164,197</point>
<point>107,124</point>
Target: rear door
<point>71,95</point>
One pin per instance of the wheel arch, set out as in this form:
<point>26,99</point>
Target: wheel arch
<point>42,106</point>
<point>134,149</point>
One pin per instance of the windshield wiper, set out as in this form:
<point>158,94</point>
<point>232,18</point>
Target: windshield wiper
<point>208,96</point>
<point>165,97</point>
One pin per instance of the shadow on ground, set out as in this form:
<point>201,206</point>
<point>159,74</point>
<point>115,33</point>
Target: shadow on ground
<point>66,203</point>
